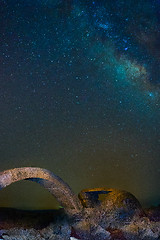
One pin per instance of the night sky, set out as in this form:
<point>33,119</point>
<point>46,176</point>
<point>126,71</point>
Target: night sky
<point>80,95</point>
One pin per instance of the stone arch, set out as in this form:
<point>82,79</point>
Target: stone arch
<point>54,184</point>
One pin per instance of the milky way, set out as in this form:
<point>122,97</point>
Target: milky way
<point>80,95</point>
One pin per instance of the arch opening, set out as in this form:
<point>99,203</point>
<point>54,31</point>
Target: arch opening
<point>27,195</point>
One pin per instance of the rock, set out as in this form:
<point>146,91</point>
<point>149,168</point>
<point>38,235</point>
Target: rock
<point>153,213</point>
<point>109,207</point>
<point>109,198</point>
<point>58,230</point>
<point>116,234</point>
<point>90,197</point>
<point>81,230</point>
<point>22,234</point>
<point>54,184</point>
<point>98,214</point>
<point>100,233</point>
<point>142,228</point>
<point>73,238</point>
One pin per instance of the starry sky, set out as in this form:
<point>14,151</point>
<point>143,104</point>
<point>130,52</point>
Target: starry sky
<point>80,95</point>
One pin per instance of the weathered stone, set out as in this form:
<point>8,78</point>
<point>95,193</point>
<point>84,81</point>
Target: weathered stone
<point>111,198</point>
<point>153,213</point>
<point>142,228</point>
<point>90,197</point>
<point>54,184</point>
<point>82,229</point>
<point>22,234</point>
<point>116,234</point>
<point>100,233</point>
<point>100,214</point>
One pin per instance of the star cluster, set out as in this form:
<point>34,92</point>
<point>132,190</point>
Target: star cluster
<point>80,93</point>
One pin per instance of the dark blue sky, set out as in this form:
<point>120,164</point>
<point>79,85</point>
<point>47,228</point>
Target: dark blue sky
<point>80,94</point>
